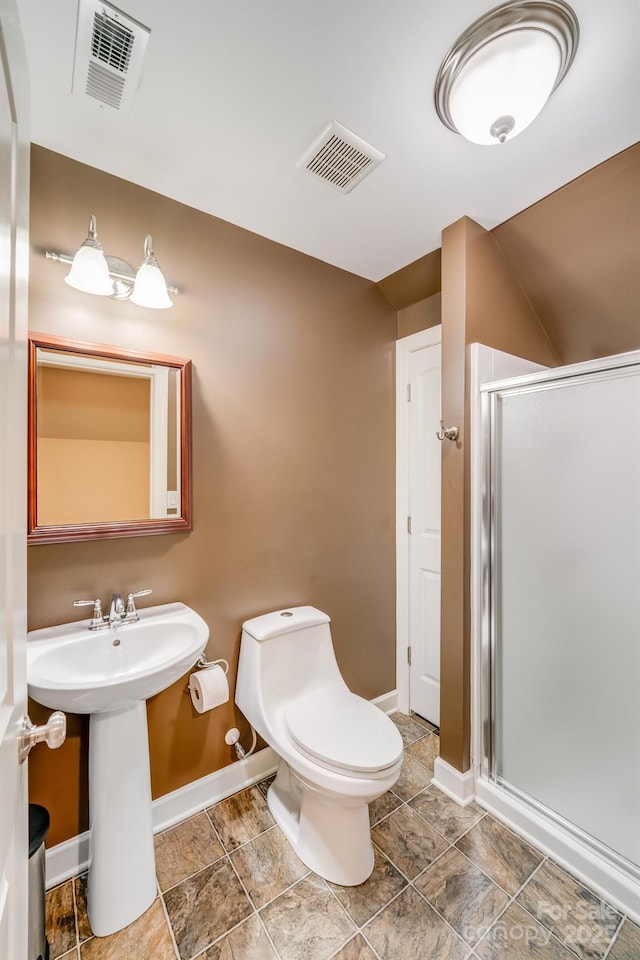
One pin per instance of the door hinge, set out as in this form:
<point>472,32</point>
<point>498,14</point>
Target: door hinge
<point>409,655</point>
<point>408,524</point>
<point>408,393</point>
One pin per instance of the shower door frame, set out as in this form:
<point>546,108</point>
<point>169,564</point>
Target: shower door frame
<point>611,873</point>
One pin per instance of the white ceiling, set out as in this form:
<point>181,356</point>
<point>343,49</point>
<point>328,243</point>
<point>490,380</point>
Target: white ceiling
<point>234,91</point>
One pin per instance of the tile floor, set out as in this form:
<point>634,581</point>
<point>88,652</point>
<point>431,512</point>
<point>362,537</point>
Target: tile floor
<point>448,884</point>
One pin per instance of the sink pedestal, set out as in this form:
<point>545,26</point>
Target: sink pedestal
<point>122,873</point>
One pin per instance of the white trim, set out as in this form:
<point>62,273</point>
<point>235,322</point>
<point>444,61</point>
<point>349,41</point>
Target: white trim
<point>459,786</point>
<point>51,357</point>
<point>610,882</point>
<point>404,348</point>
<point>388,702</point>
<point>188,800</point>
<point>70,858</point>
<point>158,428</point>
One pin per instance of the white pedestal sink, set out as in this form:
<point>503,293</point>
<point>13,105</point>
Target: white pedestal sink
<point>109,674</point>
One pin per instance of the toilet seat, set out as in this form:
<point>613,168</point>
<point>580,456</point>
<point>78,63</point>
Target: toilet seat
<point>343,732</point>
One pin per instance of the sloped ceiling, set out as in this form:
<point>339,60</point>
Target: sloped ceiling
<point>576,255</point>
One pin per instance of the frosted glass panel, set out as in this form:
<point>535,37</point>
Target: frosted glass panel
<point>567,604</point>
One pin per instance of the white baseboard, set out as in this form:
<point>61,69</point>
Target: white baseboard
<point>388,702</point>
<point>70,858</point>
<point>459,786</point>
<point>611,882</point>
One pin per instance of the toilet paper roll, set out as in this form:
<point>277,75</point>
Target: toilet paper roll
<point>208,688</point>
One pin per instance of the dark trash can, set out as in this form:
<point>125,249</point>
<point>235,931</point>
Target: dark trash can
<point>38,948</point>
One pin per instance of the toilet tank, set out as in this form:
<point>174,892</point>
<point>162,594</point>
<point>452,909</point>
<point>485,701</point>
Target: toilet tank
<point>281,655</point>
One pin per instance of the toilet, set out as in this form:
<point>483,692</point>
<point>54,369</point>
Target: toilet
<point>337,751</point>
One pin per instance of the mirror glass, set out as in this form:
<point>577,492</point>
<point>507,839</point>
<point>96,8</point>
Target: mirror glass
<point>109,442</point>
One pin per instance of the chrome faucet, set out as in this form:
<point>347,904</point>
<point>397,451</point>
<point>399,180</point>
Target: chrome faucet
<point>119,614</point>
<point>116,610</point>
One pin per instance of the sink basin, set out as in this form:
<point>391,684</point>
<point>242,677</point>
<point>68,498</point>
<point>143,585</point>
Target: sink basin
<point>72,668</point>
<point>109,674</point>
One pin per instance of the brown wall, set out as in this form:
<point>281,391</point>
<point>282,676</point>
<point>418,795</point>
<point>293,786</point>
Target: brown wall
<point>481,302</point>
<point>575,254</point>
<point>293,445</point>
<point>416,281</point>
<point>419,316</point>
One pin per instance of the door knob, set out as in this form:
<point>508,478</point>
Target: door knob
<point>53,733</point>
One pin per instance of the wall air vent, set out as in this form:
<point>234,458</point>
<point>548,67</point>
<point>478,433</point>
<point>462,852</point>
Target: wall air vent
<point>110,51</point>
<point>340,157</point>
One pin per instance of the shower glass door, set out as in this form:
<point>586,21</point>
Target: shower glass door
<point>562,516</point>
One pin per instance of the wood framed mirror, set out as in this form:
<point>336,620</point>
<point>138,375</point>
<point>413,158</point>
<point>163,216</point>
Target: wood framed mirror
<point>109,442</point>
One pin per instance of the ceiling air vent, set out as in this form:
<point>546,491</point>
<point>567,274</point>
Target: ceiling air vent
<point>340,157</point>
<point>110,50</point>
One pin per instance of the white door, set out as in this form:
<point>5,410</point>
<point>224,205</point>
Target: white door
<point>13,689</point>
<point>418,378</point>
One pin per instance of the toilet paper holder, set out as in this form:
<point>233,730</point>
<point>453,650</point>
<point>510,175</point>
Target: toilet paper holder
<point>204,664</point>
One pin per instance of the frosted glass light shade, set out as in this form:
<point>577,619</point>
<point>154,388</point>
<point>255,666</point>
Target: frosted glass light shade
<point>504,86</point>
<point>497,76</point>
<point>150,288</point>
<point>89,271</point>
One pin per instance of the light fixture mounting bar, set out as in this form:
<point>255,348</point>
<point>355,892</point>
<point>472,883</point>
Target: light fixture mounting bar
<point>115,264</point>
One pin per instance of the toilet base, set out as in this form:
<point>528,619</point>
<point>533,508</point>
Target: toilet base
<point>332,837</point>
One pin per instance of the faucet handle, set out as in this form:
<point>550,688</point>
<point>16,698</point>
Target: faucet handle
<point>131,598</point>
<point>97,619</point>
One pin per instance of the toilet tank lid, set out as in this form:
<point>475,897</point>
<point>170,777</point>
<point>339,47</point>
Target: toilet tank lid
<point>284,621</point>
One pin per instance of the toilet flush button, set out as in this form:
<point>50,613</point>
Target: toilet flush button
<point>287,613</point>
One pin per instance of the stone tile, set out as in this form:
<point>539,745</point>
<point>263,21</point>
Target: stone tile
<point>413,779</point>
<point>408,841</point>
<point>431,727</point>
<point>306,922</point>
<point>425,751</point>
<point>462,894</point>
<point>268,865</point>
<point>246,942</point>
<point>408,929</point>
<point>367,898</point>
<point>241,817</point>
<point>447,816</point>
<point>356,949</point>
<point>206,906</point>
<point>71,955</point>
<point>60,921</point>
<point>82,917</point>
<point>627,944</point>
<point>518,936</point>
<point>500,854</point>
<point>410,728</point>
<point>264,785</point>
<point>147,938</point>
<point>383,806</point>
<point>185,849</point>
<point>581,920</point>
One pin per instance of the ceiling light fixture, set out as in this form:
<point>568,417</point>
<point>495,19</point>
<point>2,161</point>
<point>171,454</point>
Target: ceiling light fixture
<point>93,272</point>
<point>500,72</point>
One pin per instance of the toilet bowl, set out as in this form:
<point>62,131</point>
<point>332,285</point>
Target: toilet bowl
<point>337,751</point>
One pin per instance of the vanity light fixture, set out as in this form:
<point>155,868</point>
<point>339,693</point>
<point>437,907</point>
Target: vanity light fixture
<point>93,272</point>
<point>500,72</point>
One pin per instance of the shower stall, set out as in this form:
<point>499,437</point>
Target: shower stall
<point>556,599</point>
